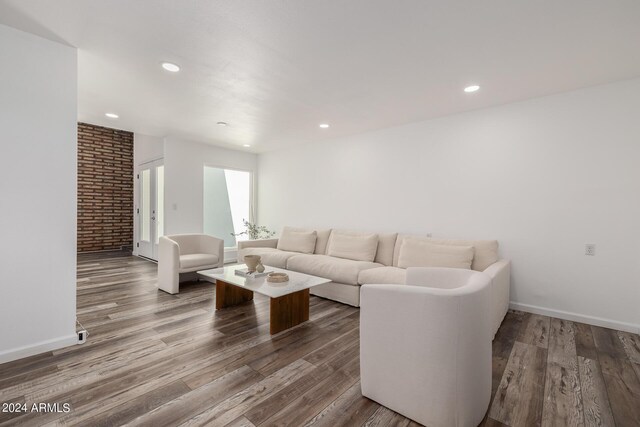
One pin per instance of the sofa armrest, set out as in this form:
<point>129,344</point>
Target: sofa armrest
<point>213,246</point>
<point>437,277</point>
<point>500,273</point>
<point>260,243</point>
<point>168,265</point>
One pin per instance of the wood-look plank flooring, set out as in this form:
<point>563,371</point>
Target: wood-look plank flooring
<point>154,359</point>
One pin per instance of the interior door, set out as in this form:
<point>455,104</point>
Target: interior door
<point>150,209</point>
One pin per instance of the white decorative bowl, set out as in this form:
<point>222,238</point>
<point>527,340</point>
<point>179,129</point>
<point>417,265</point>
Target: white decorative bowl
<point>277,277</point>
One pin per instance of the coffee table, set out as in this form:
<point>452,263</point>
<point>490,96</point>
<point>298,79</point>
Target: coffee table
<point>289,300</point>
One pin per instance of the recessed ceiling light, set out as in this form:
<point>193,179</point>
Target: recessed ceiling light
<point>471,88</point>
<point>246,145</point>
<point>169,66</point>
<point>112,115</point>
<point>324,125</point>
<point>222,123</point>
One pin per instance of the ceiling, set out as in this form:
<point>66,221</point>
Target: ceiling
<point>276,69</point>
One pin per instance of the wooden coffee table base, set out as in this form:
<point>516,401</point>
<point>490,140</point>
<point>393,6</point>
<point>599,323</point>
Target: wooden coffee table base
<point>228,295</point>
<point>285,312</point>
<point>289,310</point>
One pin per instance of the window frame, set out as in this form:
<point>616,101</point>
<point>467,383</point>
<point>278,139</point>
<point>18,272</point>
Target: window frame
<point>252,196</point>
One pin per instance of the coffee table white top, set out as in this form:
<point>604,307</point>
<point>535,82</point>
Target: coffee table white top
<point>297,281</point>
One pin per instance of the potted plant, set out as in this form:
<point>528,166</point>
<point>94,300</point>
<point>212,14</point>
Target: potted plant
<point>254,231</point>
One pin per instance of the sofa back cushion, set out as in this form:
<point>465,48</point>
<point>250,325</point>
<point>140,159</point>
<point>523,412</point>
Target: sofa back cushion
<point>486,251</point>
<point>398,245</point>
<point>386,245</point>
<point>322,240</point>
<point>297,240</point>
<point>422,253</point>
<point>353,245</point>
<point>188,243</point>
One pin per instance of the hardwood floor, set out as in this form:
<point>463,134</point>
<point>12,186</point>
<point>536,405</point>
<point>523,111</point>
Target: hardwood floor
<point>161,360</point>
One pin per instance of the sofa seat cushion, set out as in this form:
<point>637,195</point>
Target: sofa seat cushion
<point>336,269</point>
<point>383,275</point>
<point>253,251</point>
<point>269,256</point>
<point>193,261</point>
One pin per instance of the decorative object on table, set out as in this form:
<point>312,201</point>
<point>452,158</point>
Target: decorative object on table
<point>260,267</point>
<point>243,272</point>
<point>254,231</point>
<point>277,277</point>
<point>252,262</point>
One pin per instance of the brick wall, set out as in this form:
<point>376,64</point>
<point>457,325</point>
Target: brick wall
<point>105,188</point>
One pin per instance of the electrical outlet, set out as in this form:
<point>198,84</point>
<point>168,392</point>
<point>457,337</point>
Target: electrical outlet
<point>590,249</point>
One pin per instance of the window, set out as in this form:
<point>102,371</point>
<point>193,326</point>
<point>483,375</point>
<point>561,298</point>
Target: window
<point>145,227</point>
<point>227,201</point>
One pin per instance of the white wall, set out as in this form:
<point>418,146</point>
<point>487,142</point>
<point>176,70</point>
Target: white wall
<point>543,177</point>
<point>146,148</point>
<point>38,81</point>
<point>184,163</point>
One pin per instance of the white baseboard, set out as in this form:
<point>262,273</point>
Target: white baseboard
<point>37,348</point>
<point>567,315</point>
<point>230,255</point>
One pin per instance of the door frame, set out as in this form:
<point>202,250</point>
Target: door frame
<point>147,249</point>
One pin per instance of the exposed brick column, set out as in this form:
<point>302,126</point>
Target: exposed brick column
<point>105,188</point>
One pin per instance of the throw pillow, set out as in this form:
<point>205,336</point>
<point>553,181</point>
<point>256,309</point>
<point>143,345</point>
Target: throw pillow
<point>421,253</point>
<point>296,240</point>
<point>355,246</point>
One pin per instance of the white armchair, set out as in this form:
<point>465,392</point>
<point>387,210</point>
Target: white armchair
<point>186,253</point>
<point>425,347</point>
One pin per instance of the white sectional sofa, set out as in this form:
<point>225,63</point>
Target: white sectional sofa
<point>351,259</point>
